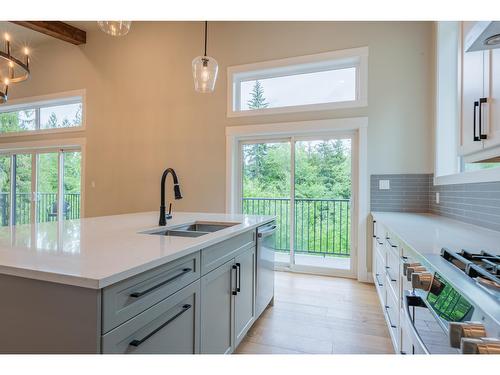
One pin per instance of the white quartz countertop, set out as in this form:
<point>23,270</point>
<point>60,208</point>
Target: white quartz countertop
<point>97,252</point>
<point>428,234</point>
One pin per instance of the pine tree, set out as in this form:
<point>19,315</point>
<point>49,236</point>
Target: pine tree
<point>258,100</point>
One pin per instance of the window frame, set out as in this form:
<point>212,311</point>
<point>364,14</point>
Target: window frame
<point>354,57</point>
<point>53,145</point>
<point>37,102</point>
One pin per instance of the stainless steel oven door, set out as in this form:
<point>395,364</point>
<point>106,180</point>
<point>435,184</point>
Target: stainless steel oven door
<point>425,331</point>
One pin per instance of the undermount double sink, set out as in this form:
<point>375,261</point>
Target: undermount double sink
<point>196,229</point>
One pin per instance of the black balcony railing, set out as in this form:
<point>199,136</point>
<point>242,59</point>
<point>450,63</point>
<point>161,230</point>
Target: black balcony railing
<point>46,207</point>
<point>322,226</point>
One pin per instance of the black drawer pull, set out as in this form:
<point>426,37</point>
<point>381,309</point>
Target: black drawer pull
<point>378,281</point>
<point>390,243</point>
<point>140,294</point>
<point>389,275</point>
<point>136,343</point>
<point>389,317</point>
<point>373,228</point>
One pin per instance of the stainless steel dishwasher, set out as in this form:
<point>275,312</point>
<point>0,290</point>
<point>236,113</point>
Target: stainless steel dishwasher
<point>266,235</point>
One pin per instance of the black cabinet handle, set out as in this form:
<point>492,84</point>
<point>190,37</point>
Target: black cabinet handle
<point>388,274</point>
<point>390,243</point>
<point>475,137</point>
<point>378,281</point>
<point>140,294</point>
<point>235,291</point>
<point>389,317</point>
<point>238,272</point>
<point>373,228</point>
<point>481,102</point>
<point>136,343</point>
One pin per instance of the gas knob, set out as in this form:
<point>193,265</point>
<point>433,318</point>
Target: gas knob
<point>408,265</point>
<point>421,280</point>
<point>459,330</point>
<point>483,345</point>
<point>414,269</point>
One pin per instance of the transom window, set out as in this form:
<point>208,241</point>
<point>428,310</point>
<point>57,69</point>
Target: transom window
<point>42,116</point>
<point>316,82</point>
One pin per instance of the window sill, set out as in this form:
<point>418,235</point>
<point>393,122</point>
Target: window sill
<point>300,108</point>
<point>485,175</point>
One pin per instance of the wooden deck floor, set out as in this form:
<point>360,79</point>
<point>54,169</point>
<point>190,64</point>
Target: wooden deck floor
<point>319,315</point>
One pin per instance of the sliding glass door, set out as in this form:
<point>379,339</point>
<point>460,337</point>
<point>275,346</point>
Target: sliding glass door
<point>40,186</point>
<point>306,183</point>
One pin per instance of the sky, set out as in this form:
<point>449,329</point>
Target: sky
<point>310,88</point>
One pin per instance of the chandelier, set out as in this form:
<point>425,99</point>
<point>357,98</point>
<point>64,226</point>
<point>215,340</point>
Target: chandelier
<point>12,69</point>
<point>115,28</point>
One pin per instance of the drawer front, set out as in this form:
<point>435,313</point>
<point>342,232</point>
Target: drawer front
<point>392,271</point>
<point>124,300</point>
<point>218,254</point>
<point>392,312</point>
<point>169,327</point>
<point>379,273</point>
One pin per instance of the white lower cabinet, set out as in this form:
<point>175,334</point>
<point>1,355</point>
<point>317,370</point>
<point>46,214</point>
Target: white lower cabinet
<point>228,303</point>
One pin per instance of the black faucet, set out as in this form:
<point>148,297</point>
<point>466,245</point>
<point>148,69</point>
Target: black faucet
<point>177,195</point>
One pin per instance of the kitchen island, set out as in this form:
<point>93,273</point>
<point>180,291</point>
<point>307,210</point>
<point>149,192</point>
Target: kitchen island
<point>117,284</point>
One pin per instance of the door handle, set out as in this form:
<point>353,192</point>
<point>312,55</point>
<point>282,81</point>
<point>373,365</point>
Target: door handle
<point>481,102</point>
<point>475,138</point>
<point>235,291</point>
<point>238,275</point>
<point>136,342</point>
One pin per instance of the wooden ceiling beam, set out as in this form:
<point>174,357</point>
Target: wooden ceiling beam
<point>56,29</point>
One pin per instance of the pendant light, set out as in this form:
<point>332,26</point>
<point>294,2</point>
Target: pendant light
<point>115,28</point>
<point>12,69</point>
<point>205,70</point>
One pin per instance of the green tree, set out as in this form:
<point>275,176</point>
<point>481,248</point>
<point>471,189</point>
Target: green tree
<point>257,100</point>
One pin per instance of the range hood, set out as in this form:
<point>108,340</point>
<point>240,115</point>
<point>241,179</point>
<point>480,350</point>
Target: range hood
<point>483,35</point>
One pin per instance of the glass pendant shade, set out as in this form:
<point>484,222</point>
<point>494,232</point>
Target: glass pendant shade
<point>205,71</point>
<point>115,28</point>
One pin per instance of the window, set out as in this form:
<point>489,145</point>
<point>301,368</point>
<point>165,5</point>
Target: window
<point>44,115</point>
<point>324,81</point>
<point>40,185</point>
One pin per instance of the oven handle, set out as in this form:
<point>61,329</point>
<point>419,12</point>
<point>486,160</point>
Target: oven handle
<point>417,301</point>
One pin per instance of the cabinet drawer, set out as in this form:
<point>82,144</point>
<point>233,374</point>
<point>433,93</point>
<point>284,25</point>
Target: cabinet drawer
<point>392,313</point>
<point>392,272</point>
<point>126,299</point>
<point>218,254</point>
<point>169,327</point>
<point>379,273</point>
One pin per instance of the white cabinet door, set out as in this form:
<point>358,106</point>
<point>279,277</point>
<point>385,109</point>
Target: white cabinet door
<point>493,130</point>
<point>244,300</point>
<point>217,289</point>
<point>474,69</point>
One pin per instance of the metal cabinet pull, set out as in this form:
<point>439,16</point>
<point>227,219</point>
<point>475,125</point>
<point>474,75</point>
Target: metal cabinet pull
<point>475,138</point>
<point>235,291</point>
<point>140,294</point>
<point>238,275</point>
<point>390,243</point>
<point>268,232</point>
<point>481,102</point>
<point>373,227</point>
<point>378,281</point>
<point>387,268</point>
<point>136,343</point>
<point>389,317</point>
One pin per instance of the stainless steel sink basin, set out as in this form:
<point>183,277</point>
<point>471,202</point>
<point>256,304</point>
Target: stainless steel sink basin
<point>196,229</point>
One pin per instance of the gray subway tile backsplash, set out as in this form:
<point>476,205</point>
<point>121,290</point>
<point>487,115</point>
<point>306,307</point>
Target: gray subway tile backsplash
<point>477,203</point>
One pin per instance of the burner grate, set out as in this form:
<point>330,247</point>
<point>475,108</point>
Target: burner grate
<point>483,265</point>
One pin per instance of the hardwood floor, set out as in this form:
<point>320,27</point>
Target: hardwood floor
<point>319,315</point>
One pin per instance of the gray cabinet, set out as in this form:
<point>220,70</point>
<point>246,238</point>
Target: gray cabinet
<point>169,327</point>
<point>216,309</point>
<point>244,300</point>
<point>228,303</point>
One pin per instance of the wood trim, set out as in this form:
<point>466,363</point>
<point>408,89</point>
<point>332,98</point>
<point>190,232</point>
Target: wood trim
<point>56,29</point>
